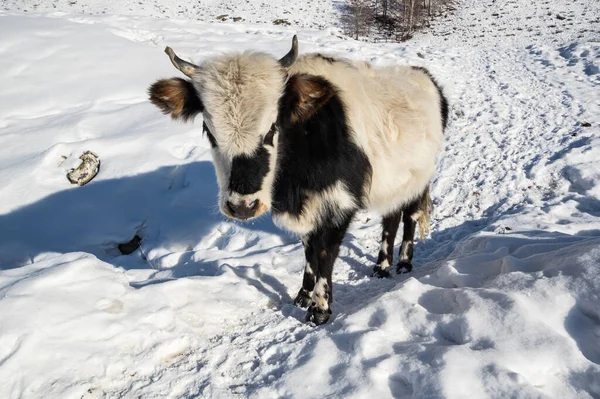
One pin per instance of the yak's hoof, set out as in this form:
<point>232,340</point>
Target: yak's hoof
<point>403,267</point>
<point>317,316</point>
<point>381,273</point>
<point>303,299</point>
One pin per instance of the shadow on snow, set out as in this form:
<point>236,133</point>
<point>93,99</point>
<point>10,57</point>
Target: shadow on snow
<point>173,205</point>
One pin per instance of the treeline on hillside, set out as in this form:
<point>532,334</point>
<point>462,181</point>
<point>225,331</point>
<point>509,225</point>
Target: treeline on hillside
<point>393,20</point>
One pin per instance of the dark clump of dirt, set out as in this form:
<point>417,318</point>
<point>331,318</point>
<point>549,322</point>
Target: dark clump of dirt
<point>131,246</point>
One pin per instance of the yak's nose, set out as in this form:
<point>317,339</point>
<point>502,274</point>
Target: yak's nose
<point>242,210</point>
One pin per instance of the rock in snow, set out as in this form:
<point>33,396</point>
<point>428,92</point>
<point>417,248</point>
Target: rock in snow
<point>86,171</point>
<point>129,247</point>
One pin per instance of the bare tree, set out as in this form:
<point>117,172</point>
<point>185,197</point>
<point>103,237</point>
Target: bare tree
<point>389,19</point>
<point>358,17</point>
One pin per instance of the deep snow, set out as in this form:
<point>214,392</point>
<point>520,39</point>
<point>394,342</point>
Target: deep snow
<point>503,302</point>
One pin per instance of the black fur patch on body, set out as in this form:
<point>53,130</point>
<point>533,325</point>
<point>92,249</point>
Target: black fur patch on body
<point>317,152</point>
<point>331,60</point>
<point>443,101</point>
<point>249,171</point>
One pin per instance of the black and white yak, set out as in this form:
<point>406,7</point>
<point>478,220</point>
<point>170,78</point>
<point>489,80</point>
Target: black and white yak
<point>314,139</point>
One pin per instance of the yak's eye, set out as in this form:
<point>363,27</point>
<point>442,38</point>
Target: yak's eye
<point>211,138</point>
<point>269,137</point>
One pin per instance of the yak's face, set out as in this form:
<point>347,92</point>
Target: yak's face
<point>239,96</point>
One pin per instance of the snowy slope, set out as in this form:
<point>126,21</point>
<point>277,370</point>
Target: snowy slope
<point>503,302</point>
<point>519,22</point>
<point>307,13</point>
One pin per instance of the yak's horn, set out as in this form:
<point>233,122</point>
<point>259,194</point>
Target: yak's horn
<point>289,59</point>
<point>187,68</point>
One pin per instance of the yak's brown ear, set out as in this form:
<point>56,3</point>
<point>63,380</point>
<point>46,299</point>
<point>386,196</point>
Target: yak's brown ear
<point>177,97</point>
<point>310,93</point>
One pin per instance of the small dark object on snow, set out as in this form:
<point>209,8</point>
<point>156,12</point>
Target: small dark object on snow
<point>281,21</point>
<point>86,171</point>
<point>586,124</point>
<point>130,246</point>
<point>559,17</point>
<point>420,55</point>
<point>236,19</point>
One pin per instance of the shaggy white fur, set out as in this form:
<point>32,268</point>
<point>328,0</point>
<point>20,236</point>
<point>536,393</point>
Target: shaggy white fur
<point>395,119</point>
<point>393,113</point>
<point>319,295</point>
<point>335,197</point>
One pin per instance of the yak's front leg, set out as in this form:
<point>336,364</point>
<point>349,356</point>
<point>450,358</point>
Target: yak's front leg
<point>304,297</point>
<point>323,245</point>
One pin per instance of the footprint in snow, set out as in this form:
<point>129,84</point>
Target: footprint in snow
<point>108,305</point>
<point>378,318</point>
<point>444,301</point>
<point>229,240</point>
<point>454,332</point>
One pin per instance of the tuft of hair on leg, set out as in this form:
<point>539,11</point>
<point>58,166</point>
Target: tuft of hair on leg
<point>421,216</point>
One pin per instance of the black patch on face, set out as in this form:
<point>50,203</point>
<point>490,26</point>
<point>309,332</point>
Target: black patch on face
<point>211,138</point>
<point>268,140</point>
<point>249,171</point>
<point>316,153</point>
<point>443,100</point>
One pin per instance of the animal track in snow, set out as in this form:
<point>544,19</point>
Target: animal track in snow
<point>444,301</point>
<point>455,331</point>
<point>110,305</point>
<point>215,240</point>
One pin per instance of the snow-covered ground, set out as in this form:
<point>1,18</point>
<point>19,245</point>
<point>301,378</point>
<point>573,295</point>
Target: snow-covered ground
<point>504,300</point>
<point>518,21</point>
<point>307,13</point>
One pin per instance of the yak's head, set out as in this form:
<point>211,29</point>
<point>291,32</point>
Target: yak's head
<point>238,95</point>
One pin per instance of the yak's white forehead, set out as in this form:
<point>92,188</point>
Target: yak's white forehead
<point>240,93</point>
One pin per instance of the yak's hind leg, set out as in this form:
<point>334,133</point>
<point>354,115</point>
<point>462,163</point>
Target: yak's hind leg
<point>390,224</point>
<point>415,212</point>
